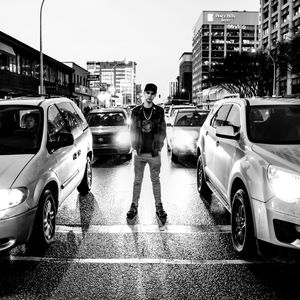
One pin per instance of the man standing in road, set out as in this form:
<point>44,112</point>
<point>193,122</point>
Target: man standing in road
<point>148,132</point>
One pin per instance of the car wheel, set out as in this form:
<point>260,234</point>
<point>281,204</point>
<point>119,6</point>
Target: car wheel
<point>86,183</point>
<point>202,186</point>
<point>242,231</point>
<point>174,157</point>
<point>45,220</point>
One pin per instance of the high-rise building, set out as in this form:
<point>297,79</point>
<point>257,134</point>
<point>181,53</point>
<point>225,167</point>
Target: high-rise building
<point>216,34</point>
<point>280,21</point>
<point>119,77</point>
<point>185,74</point>
<point>173,88</point>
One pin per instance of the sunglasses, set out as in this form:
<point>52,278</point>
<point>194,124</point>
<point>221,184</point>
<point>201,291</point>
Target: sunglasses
<point>150,93</point>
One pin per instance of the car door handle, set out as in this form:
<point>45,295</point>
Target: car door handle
<point>74,156</point>
<point>217,143</point>
<point>79,152</point>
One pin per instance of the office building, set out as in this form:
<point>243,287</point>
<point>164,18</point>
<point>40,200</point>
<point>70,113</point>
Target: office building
<point>185,75</point>
<point>117,77</point>
<point>217,34</point>
<point>280,21</point>
<point>173,88</point>
<point>83,94</point>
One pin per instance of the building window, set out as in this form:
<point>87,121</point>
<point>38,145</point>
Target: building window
<point>8,62</point>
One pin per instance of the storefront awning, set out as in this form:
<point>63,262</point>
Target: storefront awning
<point>7,49</point>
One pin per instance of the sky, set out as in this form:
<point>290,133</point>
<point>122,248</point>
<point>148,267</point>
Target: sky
<point>153,33</point>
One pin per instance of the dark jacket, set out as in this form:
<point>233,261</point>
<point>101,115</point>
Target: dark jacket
<point>159,127</point>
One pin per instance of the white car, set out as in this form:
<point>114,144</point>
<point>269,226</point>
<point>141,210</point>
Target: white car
<point>45,153</point>
<point>249,156</point>
<point>184,132</point>
<point>172,110</point>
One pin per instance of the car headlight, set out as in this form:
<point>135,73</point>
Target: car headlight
<point>12,197</point>
<point>286,185</point>
<point>123,138</point>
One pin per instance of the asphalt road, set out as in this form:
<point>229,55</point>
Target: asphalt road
<point>99,254</point>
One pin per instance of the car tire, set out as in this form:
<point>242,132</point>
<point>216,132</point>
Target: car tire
<point>202,186</point>
<point>174,157</point>
<point>86,183</point>
<point>242,230</point>
<point>45,221</point>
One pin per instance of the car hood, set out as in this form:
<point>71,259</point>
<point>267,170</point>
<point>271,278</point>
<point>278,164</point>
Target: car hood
<point>108,129</point>
<point>11,166</point>
<point>286,156</point>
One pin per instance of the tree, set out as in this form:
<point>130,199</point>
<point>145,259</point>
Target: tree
<point>245,73</point>
<point>295,54</point>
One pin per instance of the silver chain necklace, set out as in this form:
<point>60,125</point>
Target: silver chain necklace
<point>149,115</point>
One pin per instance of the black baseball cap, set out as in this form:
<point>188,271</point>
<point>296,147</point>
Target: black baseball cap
<point>150,87</point>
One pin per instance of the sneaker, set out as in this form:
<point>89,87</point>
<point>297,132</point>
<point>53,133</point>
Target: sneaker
<point>160,211</point>
<point>132,211</point>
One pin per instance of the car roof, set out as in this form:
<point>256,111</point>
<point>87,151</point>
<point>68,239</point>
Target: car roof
<point>257,101</point>
<point>192,109</point>
<point>181,106</point>
<point>108,110</point>
<point>32,101</point>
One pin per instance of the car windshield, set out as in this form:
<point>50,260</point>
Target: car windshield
<point>106,119</point>
<point>20,130</point>
<point>191,119</point>
<point>278,124</point>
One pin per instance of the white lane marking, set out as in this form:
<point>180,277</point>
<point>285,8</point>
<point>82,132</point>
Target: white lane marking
<point>201,229</point>
<point>142,261</point>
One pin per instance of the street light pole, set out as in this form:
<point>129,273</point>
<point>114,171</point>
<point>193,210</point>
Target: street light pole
<point>41,87</point>
<point>132,83</point>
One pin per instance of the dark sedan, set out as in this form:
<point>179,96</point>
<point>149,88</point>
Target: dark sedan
<point>110,130</point>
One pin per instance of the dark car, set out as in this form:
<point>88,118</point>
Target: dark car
<point>111,132</point>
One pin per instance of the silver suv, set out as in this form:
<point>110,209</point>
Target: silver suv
<point>249,156</point>
<point>45,153</point>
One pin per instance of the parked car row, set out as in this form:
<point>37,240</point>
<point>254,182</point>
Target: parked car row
<point>248,155</point>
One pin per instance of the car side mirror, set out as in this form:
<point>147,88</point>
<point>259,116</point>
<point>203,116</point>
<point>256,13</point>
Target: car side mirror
<point>63,139</point>
<point>227,132</point>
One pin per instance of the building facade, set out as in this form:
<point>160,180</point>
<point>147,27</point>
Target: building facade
<point>185,74</point>
<point>173,88</point>
<point>116,77</point>
<point>83,94</point>
<point>20,71</point>
<point>280,21</point>
<point>216,34</point>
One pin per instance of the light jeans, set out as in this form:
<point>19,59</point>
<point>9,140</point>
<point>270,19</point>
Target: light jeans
<point>140,162</point>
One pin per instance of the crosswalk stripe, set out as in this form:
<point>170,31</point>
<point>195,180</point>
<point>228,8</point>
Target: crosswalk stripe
<point>200,229</point>
<point>141,261</point>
